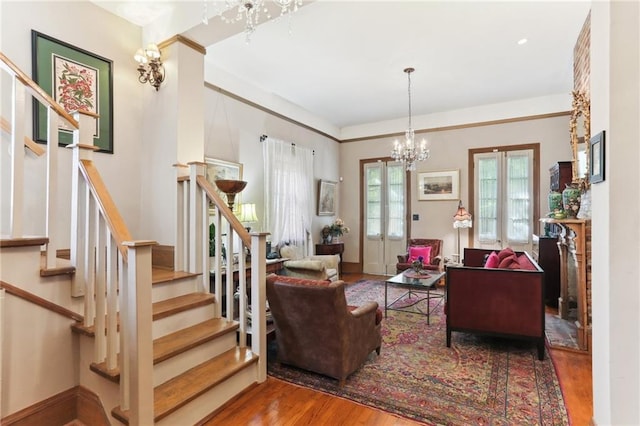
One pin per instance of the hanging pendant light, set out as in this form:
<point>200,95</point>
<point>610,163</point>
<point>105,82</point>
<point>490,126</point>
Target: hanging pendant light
<point>407,151</point>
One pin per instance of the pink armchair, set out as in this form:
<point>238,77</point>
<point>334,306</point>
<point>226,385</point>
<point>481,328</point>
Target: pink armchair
<point>434,262</point>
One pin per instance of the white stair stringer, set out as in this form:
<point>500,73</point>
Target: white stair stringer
<point>213,399</point>
<point>178,364</point>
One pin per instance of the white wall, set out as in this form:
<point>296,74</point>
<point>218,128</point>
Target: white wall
<point>106,35</point>
<point>232,133</point>
<point>449,151</point>
<point>615,108</point>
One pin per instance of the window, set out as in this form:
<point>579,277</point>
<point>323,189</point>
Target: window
<point>504,182</point>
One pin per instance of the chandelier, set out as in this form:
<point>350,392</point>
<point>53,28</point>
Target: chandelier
<point>408,152</point>
<point>250,10</point>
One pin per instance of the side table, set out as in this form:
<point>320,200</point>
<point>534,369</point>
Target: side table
<point>332,248</point>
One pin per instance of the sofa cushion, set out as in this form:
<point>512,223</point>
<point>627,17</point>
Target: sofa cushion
<point>509,262</point>
<point>416,251</point>
<point>492,261</point>
<point>504,253</point>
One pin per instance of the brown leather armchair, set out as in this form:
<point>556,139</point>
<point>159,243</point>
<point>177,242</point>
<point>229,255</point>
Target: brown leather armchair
<point>435,263</point>
<point>317,331</point>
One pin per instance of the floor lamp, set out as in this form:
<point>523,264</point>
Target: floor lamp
<point>462,219</point>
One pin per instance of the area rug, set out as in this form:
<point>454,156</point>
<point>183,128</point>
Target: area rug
<point>479,380</point>
<point>560,334</point>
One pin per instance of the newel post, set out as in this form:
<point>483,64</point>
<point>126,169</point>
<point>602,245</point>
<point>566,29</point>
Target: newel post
<point>136,320</point>
<point>259,301</point>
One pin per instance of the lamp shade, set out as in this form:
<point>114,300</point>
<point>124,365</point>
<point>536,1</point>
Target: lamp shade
<point>462,218</point>
<point>247,213</point>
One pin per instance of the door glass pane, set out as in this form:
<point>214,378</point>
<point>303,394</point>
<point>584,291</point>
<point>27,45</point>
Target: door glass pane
<point>373,201</point>
<point>518,198</point>
<point>395,194</point>
<point>487,216</point>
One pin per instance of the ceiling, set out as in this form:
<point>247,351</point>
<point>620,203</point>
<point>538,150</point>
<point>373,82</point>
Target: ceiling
<point>343,61</point>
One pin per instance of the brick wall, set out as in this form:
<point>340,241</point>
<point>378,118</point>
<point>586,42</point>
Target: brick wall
<point>581,82</point>
<point>581,58</point>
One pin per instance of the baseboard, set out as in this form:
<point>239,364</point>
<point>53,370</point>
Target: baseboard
<point>75,403</point>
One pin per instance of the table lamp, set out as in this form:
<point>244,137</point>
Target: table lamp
<point>247,214</point>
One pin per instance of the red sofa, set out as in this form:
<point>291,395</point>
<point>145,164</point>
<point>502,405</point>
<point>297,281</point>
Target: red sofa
<point>496,301</point>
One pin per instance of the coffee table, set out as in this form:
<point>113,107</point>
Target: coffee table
<point>421,287</point>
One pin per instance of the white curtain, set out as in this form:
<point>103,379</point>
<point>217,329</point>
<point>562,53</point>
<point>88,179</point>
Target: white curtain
<point>288,188</point>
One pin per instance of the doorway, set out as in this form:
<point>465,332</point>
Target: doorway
<point>504,188</point>
<point>383,212</point>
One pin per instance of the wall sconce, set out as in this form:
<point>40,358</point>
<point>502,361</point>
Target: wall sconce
<point>150,65</point>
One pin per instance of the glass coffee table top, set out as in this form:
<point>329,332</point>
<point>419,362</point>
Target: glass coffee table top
<point>419,288</point>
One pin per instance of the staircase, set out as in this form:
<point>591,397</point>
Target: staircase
<point>152,342</point>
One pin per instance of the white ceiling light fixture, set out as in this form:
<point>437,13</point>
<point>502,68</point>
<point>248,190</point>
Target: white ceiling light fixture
<point>408,152</point>
<point>250,10</point>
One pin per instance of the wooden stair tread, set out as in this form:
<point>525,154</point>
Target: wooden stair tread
<point>160,275</point>
<point>181,341</point>
<point>7,241</point>
<point>176,343</point>
<point>168,307</point>
<point>177,392</point>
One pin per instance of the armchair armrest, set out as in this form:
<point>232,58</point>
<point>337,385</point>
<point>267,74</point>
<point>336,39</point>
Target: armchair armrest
<point>364,309</point>
<point>312,265</point>
<point>330,261</point>
<point>402,258</point>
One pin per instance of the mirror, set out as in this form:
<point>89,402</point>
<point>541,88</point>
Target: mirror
<point>580,129</point>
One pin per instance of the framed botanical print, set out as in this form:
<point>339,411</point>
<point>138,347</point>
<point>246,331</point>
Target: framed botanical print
<point>326,198</point>
<point>77,80</point>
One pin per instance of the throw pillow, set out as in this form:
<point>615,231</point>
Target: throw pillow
<point>504,253</point>
<point>417,251</point>
<point>493,260</point>
<point>509,262</point>
<point>525,263</point>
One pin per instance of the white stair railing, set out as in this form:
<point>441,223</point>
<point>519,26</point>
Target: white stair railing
<point>22,87</point>
<point>196,196</point>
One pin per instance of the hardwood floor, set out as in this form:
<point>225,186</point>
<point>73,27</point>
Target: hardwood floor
<point>275,402</point>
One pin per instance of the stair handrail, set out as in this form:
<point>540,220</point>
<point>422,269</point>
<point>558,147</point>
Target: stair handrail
<point>37,300</point>
<point>36,90</point>
<point>21,86</point>
<point>106,204</point>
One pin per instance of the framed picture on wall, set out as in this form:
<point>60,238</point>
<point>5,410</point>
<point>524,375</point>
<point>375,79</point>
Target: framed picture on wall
<point>77,80</point>
<point>596,151</point>
<point>437,186</point>
<point>221,169</point>
<point>326,198</point>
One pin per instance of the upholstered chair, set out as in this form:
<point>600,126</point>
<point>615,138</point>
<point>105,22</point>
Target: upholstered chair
<point>318,267</point>
<point>317,331</point>
<point>418,246</point>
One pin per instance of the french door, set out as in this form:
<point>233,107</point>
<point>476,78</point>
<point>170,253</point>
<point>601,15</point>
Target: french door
<point>504,198</point>
<point>384,207</point>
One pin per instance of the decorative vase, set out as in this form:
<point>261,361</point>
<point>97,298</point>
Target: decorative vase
<point>328,239</point>
<point>555,203</point>
<point>571,200</point>
<point>585,205</point>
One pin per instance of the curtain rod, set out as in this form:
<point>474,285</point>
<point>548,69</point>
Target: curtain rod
<point>263,137</point>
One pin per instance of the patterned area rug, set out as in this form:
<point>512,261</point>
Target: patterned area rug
<point>560,334</point>
<point>479,380</point>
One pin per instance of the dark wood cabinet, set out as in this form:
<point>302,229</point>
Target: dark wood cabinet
<point>560,175</point>
<point>333,248</point>
<point>548,257</point>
